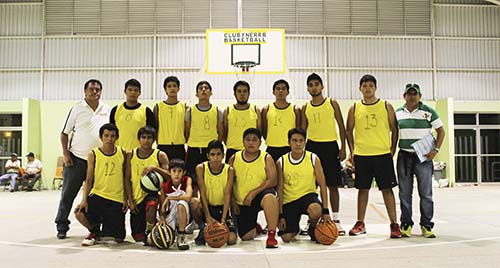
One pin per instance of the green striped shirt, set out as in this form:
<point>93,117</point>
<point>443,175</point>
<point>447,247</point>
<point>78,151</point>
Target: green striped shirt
<point>416,124</point>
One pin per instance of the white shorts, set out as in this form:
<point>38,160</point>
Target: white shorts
<point>172,216</point>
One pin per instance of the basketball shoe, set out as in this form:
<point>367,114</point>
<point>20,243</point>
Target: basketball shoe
<point>90,240</point>
<point>339,228</point>
<point>406,230</point>
<point>357,229</point>
<point>271,241</point>
<point>427,232</point>
<point>395,231</point>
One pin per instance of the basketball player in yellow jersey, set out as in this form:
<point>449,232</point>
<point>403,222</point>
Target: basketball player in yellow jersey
<point>139,162</point>
<point>298,173</point>
<point>372,135</point>
<point>277,119</point>
<point>318,119</point>
<point>170,115</point>
<point>215,181</point>
<point>103,199</point>
<point>238,117</point>
<point>255,177</point>
<point>131,115</point>
<point>203,124</point>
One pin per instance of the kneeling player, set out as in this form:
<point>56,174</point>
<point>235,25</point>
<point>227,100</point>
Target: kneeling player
<point>103,194</point>
<point>298,173</point>
<point>215,181</point>
<point>175,196</point>
<point>139,162</point>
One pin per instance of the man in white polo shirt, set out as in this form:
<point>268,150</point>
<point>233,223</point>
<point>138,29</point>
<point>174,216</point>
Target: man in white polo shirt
<point>82,124</point>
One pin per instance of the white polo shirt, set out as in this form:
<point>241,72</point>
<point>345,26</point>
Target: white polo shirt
<point>33,166</point>
<point>82,125</point>
<point>9,163</point>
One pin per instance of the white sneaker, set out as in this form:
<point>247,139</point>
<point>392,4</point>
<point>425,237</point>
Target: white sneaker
<point>191,227</point>
<point>181,242</point>
<point>89,240</point>
<point>339,228</point>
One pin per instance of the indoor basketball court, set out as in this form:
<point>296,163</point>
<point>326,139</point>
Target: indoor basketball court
<point>447,51</point>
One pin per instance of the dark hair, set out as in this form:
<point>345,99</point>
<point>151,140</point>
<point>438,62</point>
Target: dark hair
<point>177,163</point>
<point>281,81</point>
<point>133,83</point>
<point>215,144</point>
<point>368,78</point>
<point>203,82</point>
<point>92,81</point>
<point>252,130</point>
<point>314,76</point>
<point>241,83</point>
<point>145,131</point>
<point>110,127</point>
<point>296,131</point>
<point>171,79</point>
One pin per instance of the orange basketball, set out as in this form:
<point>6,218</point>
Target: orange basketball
<point>216,234</point>
<point>326,233</point>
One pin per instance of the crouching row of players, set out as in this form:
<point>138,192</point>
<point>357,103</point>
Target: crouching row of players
<point>249,183</point>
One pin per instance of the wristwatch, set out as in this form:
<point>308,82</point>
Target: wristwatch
<point>436,149</point>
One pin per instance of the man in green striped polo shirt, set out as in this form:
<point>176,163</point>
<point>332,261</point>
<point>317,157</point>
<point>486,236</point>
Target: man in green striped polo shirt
<point>416,120</point>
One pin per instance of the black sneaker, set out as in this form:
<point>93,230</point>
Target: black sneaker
<point>61,234</point>
<point>200,239</point>
<point>310,232</point>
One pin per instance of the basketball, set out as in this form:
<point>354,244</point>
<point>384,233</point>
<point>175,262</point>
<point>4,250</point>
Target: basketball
<point>162,236</point>
<point>326,233</point>
<point>151,182</point>
<point>216,234</point>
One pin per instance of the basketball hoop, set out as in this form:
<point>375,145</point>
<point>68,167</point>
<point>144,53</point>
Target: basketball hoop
<point>245,65</point>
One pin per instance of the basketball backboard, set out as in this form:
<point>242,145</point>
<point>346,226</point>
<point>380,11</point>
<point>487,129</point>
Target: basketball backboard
<point>234,51</point>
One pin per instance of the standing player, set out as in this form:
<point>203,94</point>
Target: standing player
<point>372,135</point>
<point>298,173</point>
<point>277,119</point>
<point>130,116</point>
<point>203,124</point>
<point>239,117</point>
<point>82,125</point>
<point>318,118</point>
<point>103,193</point>
<point>255,177</point>
<point>175,197</point>
<point>215,181</point>
<point>415,120</point>
<point>170,115</point>
<point>139,162</point>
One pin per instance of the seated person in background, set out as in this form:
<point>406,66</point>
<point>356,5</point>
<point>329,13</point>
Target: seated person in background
<point>12,168</point>
<point>33,171</point>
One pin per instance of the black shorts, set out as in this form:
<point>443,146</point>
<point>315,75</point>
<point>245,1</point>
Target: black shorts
<point>216,213</point>
<point>277,152</point>
<point>229,153</point>
<point>138,221</point>
<point>379,166</point>
<point>194,157</point>
<point>328,153</point>
<point>247,219</point>
<point>173,151</point>
<point>108,213</point>
<point>295,209</point>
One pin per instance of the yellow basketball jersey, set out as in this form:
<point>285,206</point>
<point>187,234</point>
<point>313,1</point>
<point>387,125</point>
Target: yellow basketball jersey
<point>279,122</point>
<point>108,175</point>
<point>321,122</point>
<point>371,129</point>
<point>215,184</point>
<point>137,166</point>
<point>248,175</point>
<point>129,122</point>
<point>171,123</point>
<point>237,122</point>
<point>299,178</point>
<point>203,127</point>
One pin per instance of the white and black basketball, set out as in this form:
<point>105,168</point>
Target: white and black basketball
<point>162,236</point>
<point>151,182</point>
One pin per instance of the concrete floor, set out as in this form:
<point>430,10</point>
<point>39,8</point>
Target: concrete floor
<point>467,226</point>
